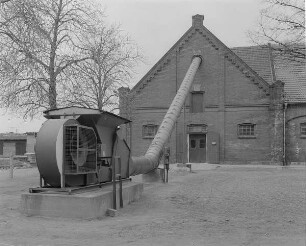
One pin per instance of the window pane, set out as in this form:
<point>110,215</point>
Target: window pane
<point>192,143</point>
<point>202,143</point>
<point>149,130</point>
<point>20,147</point>
<point>246,130</point>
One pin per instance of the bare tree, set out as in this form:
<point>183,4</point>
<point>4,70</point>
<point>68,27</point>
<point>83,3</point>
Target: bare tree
<point>282,23</point>
<point>39,41</point>
<point>112,59</point>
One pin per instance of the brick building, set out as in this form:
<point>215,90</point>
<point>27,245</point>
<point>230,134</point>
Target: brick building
<point>246,105</point>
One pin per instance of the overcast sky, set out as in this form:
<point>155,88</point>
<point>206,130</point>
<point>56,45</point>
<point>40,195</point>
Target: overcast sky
<point>155,25</point>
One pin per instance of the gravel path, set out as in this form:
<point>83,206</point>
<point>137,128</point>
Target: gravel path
<point>223,206</point>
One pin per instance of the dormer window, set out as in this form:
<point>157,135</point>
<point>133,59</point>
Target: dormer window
<point>246,130</point>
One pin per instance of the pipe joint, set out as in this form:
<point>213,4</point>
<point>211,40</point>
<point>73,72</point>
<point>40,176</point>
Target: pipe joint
<point>199,56</point>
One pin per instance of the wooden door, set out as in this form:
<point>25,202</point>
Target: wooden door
<point>21,147</point>
<point>197,148</point>
<point>213,147</point>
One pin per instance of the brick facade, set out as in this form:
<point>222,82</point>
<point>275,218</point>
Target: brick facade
<point>233,94</point>
<point>9,148</point>
<point>31,141</point>
<point>295,143</point>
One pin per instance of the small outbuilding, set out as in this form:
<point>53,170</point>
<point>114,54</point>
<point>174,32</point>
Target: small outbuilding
<point>17,144</point>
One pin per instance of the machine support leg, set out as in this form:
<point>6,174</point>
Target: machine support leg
<point>114,183</point>
<point>40,181</point>
<point>120,183</point>
<point>166,175</point>
<point>63,180</point>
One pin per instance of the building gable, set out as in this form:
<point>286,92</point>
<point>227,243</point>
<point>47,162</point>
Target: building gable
<point>215,43</point>
<point>233,112</point>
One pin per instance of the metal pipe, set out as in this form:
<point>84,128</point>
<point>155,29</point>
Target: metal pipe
<point>120,184</point>
<point>284,135</point>
<point>150,160</point>
<point>114,182</point>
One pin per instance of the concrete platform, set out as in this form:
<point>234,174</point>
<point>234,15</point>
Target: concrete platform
<point>91,204</point>
<point>156,175</point>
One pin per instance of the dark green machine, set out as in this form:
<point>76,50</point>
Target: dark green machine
<point>77,146</point>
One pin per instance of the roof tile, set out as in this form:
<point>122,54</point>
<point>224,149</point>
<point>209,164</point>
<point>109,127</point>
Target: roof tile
<point>293,74</point>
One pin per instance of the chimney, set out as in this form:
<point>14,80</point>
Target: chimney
<point>197,20</point>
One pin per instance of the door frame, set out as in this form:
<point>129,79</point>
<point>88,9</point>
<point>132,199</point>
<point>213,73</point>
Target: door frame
<point>188,140</point>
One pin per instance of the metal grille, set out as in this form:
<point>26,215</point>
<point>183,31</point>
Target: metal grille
<point>80,150</point>
<point>149,131</point>
<point>246,130</point>
<point>303,129</point>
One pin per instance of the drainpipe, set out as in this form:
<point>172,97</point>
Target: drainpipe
<point>284,134</point>
<point>184,135</point>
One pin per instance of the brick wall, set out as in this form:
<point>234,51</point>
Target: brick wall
<point>277,122</point>
<point>26,144</point>
<point>31,141</point>
<point>9,148</point>
<point>295,143</point>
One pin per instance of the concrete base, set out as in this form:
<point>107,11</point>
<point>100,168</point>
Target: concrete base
<point>157,175</point>
<point>86,205</point>
<point>183,165</point>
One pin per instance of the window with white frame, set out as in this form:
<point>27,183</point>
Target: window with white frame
<point>246,130</point>
<point>149,130</point>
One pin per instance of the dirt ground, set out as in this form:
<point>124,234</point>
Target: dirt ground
<point>238,205</point>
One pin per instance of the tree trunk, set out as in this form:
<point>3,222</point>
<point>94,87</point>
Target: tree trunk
<point>100,97</point>
<point>54,47</point>
<point>52,94</point>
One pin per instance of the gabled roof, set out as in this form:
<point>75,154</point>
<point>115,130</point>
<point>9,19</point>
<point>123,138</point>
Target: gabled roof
<point>292,73</point>
<point>258,58</point>
<point>80,111</point>
<point>162,62</point>
<point>197,27</point>
<point>258,63</point>
<point>12,136</point>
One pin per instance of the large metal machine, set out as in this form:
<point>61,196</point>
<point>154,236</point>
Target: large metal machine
<point>77,146</point>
